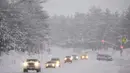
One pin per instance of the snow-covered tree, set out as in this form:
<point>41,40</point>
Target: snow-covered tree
<point>23,26</point>
<point>86,29</point>
<point>126,24</point>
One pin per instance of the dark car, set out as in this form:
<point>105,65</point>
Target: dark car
<point>31,64</point>
<point>104,57</point>
<point>68,59</point>
<point>75,57</point>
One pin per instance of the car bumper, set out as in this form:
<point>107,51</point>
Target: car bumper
<point>50,66</point>
<point>68,61</point>
<point>32,68</point>
<point>84,58</point>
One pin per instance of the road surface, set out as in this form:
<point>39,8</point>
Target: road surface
<point>13,63</point>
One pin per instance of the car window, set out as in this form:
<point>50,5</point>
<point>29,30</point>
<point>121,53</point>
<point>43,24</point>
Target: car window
<point>51,62</point>
<point>73,55</point>
<point>101,55</point>
<point>32,60</point>
<point>84,54</point>
<point>55,59</point>
<point>68,56</point>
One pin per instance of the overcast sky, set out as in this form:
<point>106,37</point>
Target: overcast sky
<point>67,7</point>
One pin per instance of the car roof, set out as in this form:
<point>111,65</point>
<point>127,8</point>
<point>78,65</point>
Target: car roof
<point>32,60</point>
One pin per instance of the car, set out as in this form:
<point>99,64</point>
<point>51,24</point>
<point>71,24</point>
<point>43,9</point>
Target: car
<point>75,57</point>
<point>57,60</point>
<point>68,59</point>
<point>84,56</point>
<point>51,64</point>
<point>31,64</point>
<point>104,57</point>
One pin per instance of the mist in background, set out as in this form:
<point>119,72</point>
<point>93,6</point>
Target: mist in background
<point>68,7</point>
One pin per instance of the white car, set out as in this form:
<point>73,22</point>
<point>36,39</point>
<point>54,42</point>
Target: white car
<point>104,57</point>
<point>75,57</point>
<point>31,64</point>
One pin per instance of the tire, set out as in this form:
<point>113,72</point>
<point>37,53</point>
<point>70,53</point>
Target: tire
<point>39,70</point>
<point>54,67</point>
<point>25,70</point>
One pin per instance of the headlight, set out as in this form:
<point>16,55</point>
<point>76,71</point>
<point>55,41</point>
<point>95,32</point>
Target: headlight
<point>58,62</point>
<point>86,56</point>
<point>65,58</point>
<point>82,56</point>
<point>46,64</point>
<point>53,64</point>
<point>37,64</point>
<point>57,65</point>
<point>77,57</point>
<point>71,58</point>
<point>25,64</point>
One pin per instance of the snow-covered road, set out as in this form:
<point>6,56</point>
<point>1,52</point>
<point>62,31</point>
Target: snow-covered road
<point>81,66</point>
<point>86,66</point>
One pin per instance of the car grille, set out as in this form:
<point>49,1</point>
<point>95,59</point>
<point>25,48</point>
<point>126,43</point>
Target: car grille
<point>31,64</point>
<point>50,65</point>
<point>68,59</point>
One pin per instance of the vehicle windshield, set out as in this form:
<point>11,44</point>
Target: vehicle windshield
<point>68,56</point>
<point>74,55</point>
<point>32,60</point>
<point>108,56</point>
<point>55,59</point>
<point>51,62</point>
<point>100,55</point>
<point>84,55</point>
<point>103,55</point>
